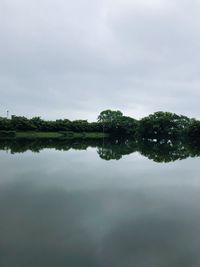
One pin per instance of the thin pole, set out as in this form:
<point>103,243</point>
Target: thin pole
<point>103,134</point>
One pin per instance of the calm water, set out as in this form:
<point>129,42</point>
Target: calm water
<point>72,208</point>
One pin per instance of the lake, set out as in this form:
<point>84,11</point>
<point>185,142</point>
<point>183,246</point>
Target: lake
<point>68,206</point>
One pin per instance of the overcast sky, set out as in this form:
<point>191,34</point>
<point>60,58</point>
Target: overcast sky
<point>73,59</point>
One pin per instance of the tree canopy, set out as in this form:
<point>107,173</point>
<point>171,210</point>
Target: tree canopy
<point>159,125</point>
<point>163,125</point>
<point>109,116</point>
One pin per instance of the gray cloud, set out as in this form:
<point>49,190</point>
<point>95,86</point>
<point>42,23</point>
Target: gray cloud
<point>64,59</point>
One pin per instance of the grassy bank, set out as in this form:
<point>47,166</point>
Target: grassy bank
<point>50,135</point>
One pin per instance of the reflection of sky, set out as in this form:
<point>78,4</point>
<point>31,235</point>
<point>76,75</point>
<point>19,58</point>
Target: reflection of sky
<point>74,209</point>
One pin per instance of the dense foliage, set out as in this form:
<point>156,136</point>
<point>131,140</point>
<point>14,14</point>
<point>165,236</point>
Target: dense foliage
<point>193,130</point>
<point>159,126</point>
<point>163,125</point>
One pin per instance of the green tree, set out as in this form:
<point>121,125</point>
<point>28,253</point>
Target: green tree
<point>193,130</point>
<point>163,125</point>
<point>109,116</point>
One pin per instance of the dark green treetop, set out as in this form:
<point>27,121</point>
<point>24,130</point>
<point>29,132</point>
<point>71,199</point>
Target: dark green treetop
<point>109,116</point>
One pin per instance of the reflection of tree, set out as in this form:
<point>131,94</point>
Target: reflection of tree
<point>159,151</point>
<point>36,145</point>
<point>163,151</point>
<point>116,149</point>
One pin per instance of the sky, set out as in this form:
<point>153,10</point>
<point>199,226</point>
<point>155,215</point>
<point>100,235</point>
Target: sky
<point>73,59</point>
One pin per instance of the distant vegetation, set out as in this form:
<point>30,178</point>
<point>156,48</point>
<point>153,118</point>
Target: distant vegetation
<point>159,126</point>
<point>162,136</point>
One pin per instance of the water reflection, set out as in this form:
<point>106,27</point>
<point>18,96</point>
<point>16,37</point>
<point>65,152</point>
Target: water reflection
<point>72,209</point>
<point>99,228</point>
<point>156,150</point>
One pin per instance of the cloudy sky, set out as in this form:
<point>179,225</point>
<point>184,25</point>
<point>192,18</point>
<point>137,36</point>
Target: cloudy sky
<point>61,58</point>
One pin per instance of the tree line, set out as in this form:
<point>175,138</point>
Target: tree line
<point>159,125</point>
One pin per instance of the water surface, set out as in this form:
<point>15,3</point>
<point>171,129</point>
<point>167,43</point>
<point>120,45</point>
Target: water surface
<point>71,208</point>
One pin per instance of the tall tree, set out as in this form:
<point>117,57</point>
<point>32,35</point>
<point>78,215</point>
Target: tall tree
<point>109,116</point>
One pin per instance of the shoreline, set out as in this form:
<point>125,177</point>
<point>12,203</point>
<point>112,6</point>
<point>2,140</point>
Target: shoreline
<point>54,135</point>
